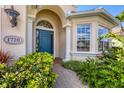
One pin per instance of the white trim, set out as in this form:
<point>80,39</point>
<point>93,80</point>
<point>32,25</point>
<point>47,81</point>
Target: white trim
<point>95,12</point>
<point>83,55</point>
<point>0,27</point>
<point>30,16</point>
<point>90,35</point>
<point>29,34</point>
<point>67,25</point>
<point>68,42</point>
<point>44,28</point>
<point>76,52</point>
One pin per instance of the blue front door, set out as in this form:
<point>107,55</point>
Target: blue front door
<point>44,41</point>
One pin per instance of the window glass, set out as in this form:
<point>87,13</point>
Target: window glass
<point>104,43</point>
<point>45,24</point>
<point>83,37</point>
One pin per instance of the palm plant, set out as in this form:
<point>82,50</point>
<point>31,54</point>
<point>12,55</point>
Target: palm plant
<point>121,18</point>
<point>4,57</point>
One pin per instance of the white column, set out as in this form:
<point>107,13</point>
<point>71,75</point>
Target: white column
<point>93,39</point>
<point>68,42</point>
<point>0,27</point>
<point>30,35</point>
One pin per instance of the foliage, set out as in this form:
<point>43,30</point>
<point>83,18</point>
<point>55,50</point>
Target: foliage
<point>109,74</point>
<point>85,69</point>
<point>88,71</point>
<point>115,52</point>
<point>4,57</point>
<point>31,71</point>
<point>110,71</point>
<point>107,70</point>
<point>73,65</point>
<point>117,37</point>
<point>121,18</point>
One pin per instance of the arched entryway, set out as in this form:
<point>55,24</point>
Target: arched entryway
<point>44,37</point>
<point>50,32</point>
<point>61,30</point>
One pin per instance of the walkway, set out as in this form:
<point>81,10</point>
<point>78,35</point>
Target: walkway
<point>67,78</point>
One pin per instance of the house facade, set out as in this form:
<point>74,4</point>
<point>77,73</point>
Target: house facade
<point>56,29</point>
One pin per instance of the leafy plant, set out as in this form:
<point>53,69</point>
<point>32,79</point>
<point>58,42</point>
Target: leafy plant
<point>121,18</point>
<point>88,72</point>
<point>4,57</point>
<point>105,72</point>
<point>73,65</point>
<point>85,70</point>
<point>31,71</point>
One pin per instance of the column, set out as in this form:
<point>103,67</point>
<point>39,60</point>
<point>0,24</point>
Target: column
<point>94,37</point>
<point>30,35</point>
<point>0,27</point>
<point>68,42</point>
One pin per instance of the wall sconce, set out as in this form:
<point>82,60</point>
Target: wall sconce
<point>13,14</point>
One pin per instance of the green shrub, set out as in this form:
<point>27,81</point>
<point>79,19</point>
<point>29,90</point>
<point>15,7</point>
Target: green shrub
<point>110,75</point>
<point>104,72</point>
<point>31,71</point>
<point>73,65</point>
<point>88,72</point>
<point>85,70</point>
<point>107,73</point>
<point>114,53</point>
<point>108,70</point>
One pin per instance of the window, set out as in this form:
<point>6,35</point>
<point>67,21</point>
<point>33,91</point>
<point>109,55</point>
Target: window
<point>83,37</point>
<point>45,24</point>
<point>104,43</point>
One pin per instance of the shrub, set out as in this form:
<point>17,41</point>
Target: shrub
<point>73,65</point>
<point>31,71</point>
<point>4,57</point>
<point>107,70</point>
<point>99,73</point>
<point>110,72</point>
<point>85,70</point>
<point>114,53</point>
<point>88,71</point>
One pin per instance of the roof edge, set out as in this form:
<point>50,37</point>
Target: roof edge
<point>96,12</point>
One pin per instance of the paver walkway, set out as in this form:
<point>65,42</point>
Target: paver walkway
<point>67,78</point>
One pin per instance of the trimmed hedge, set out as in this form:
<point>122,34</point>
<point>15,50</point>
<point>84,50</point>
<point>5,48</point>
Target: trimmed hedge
<point>31,71</point>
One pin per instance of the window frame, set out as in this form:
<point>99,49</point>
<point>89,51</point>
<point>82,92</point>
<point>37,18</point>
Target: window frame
<point>99,26</point>
<point>76,33</point>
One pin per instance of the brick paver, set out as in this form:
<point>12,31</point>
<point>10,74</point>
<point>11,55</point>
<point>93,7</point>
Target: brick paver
<point>67,78</point>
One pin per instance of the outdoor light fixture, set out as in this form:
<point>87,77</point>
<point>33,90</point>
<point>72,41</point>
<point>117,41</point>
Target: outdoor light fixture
<point>13,14</point>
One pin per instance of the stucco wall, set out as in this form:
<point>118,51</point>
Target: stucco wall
<point>55,8</point>
<point>20,30</point>
<point>67,8</point>
<point>62,48</point>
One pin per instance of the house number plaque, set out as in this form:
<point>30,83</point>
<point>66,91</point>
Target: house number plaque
<point>13,40</point>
